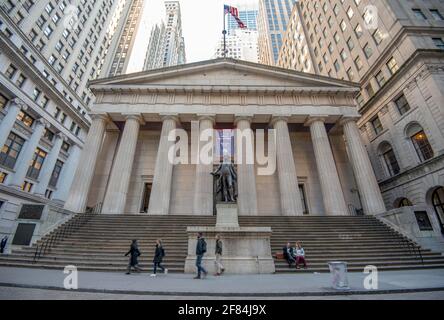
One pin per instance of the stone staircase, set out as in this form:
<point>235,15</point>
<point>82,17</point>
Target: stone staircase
<point>100,243</point>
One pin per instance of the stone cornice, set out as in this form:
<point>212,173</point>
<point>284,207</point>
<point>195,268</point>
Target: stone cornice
<point>400,73</point>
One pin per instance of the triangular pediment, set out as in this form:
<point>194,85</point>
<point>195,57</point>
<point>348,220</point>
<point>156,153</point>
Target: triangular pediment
<point>223,72</point>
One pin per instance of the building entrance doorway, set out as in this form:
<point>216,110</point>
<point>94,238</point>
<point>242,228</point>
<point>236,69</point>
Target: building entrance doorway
<point>438,205</point>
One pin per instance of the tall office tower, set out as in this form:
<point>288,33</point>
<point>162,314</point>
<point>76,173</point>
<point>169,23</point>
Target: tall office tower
<point>272,24</point>
<point>248,15</point>
<point>167,45</point>
<point>395,50</point>
<point>123,40</point>
<point>241,44</point>
<point>49,50</point>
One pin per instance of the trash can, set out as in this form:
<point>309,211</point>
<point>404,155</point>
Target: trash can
<point>338,270</point>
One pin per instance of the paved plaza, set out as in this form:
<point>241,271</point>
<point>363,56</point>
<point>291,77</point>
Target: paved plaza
<point>45,284</point>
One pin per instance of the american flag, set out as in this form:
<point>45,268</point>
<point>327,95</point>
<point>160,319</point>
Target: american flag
<point>235,13</point>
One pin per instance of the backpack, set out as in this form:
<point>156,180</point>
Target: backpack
<point>204,246</point>
<point>163,252</point>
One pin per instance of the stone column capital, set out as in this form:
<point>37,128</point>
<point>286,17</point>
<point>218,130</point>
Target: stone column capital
<point>170,116</point>
<point>345,120</point>
<point>280,117</point>
<point>20,103</point>
<point>100,116</point>
<point>314,118</point>
<point>43,122</point>
<point>210,116</point>
<point>62,136</point>
<point>134,116</point>
<point>242,117</point>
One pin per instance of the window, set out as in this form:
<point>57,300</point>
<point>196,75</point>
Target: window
<point>3,102</point>
<point>36,94</point>
<point>368,51</point>
<point>358,63</point>
<point>380,79</point>
<point>392,65</point>
<point>402,105</point>
<point>65,146</point>
<point>436,14</point>
<point>21,80</point>
<point>377,125</point>
<point>350,44</point>
<point>10,72</point>
<point>344,55</point>
<point>358,31</point>
<point>370,90</point>
<point>36,164</point>
<point>63,118</point>
<point>44,102</point>
<point>56,174</point>
<point>439,43</point>
<point>404,202</point>
<point>25,118</point>
<point>48,134</point>
<point>388,156</point>
<point>11,150</point>
<point>419,14</point>
<point>3,176</point>
<point>337,65</point>
<point>377,36</point>
<point>422,146</point>
<point>27,186</point>
<point>351,75</point>
<point>303,199</point>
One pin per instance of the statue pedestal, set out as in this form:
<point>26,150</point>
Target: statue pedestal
<point>227,215</point>
<point>246,250</point>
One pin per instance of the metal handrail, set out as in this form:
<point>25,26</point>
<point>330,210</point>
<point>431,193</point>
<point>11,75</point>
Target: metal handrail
<point>413,248</point>
<point>65,230</point>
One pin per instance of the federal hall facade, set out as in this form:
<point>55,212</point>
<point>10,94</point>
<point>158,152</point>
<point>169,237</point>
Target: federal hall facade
<point>322,166</point>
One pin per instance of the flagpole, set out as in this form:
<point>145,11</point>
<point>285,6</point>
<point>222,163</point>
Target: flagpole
<point>224,32</point>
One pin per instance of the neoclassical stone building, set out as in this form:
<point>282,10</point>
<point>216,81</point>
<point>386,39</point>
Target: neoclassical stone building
<point>322,165</point>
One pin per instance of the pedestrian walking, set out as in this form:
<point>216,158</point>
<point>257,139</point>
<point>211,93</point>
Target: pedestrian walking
<point>218,262</point>
<point>134,255</point>
<point>159,253</point>
<point>3,244</point>
<point>201,248</point>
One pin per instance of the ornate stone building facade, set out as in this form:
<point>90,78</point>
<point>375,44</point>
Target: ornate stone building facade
<point>322,165</point>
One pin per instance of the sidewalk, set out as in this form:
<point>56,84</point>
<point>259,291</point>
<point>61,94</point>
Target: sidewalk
<point>227,285</point>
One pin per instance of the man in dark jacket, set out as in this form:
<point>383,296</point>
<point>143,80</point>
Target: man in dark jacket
<point>3,244</point>
<point>219,267</point>
<point>134,254</point>
<point>201,248</point>
<point>288,254</point>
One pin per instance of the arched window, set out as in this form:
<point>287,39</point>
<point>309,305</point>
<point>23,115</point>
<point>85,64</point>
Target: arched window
<point>404,202</point>
<point>388,158</point>
<point>420,141</point>
<point>438,205</point>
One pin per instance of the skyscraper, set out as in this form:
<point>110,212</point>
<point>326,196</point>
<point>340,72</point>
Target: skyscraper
<point>122,44</point>
<point>247,15</point>
<point>49,52</point>
<point>272,23</point>
<point>167,45</point>
<point>395,50</point>
<point>240,44</point>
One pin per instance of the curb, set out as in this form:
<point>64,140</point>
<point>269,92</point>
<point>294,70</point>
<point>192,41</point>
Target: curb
<point>227,294</point>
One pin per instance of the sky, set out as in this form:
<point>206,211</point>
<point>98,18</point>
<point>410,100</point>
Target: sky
<point>202,24</point>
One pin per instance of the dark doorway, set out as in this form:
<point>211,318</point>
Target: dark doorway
<point>146,196</point>
<point>23,234</point>
<point>438,205</point>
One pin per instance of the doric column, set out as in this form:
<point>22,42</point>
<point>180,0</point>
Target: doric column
<point>78,195</point>
<point>117,191</point>
<point>66,177</point>
<point>163,172</point>
<point>13,108</point>
<point>25,157</point>
<point>370,194</point>
<point>48,165</point>
<point>290,197</point>
<point>332,194</point>
<point>203,189</point>
<point>246,176</point>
